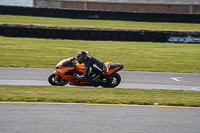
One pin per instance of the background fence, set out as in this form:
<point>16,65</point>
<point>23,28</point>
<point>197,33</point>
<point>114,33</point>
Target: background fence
<point>96,14</point>
<point>99,34</point>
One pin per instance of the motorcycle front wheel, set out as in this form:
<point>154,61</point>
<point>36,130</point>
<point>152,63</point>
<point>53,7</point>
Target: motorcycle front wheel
<point>111,81</point>
<point>57,80</point>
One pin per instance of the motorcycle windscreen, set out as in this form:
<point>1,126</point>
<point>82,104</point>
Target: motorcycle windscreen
<point>67,63</point>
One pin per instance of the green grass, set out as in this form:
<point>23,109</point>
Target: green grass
<point>136,56</point>
<point>108,24</point>
<point>99,95</point>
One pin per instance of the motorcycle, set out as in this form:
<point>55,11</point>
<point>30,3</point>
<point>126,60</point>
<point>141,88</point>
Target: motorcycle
<point>66,69</point>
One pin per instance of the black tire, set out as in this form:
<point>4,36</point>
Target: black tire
<point>53,80</point>
<point>111,81</point>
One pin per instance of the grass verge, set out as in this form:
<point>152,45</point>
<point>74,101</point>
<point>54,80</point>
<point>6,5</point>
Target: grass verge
<point>99,95</point>
<point>135,56</point>
<point>100,24</point>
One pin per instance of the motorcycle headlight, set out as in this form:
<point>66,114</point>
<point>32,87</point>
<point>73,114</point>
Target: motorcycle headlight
<point>57,71</point>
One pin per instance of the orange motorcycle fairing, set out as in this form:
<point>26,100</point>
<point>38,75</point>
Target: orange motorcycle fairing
<point>80,68</point>
<point>65,69</point>
<point>61,71</point>
<point>70,78</point>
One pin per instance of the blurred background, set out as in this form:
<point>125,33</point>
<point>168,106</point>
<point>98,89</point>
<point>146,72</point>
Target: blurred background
<point>170,6</point>
<point>17,2</point>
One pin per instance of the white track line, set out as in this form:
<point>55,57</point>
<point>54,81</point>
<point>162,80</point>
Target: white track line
<point>195,89</point>
<point>176,78</point>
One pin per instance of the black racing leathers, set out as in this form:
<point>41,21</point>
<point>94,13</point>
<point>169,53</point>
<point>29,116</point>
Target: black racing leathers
<point>94,69</point>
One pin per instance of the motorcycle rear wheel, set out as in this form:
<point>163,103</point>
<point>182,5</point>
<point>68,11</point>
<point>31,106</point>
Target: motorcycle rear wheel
<point>57,80</point>
<point>111,81</point>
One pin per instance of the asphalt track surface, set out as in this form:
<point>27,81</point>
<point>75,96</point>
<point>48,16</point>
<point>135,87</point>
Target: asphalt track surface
<point>130,79</point>
<point>77,118</point>
<point>88,118</point>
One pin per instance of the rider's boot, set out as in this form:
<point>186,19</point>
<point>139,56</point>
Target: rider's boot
<point>97,82</point>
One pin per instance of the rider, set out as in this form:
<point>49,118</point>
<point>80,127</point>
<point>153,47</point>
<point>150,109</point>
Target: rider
<point>94,69</point>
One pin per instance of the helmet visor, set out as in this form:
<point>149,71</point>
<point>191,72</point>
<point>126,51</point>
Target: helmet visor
<point>80,59</point>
